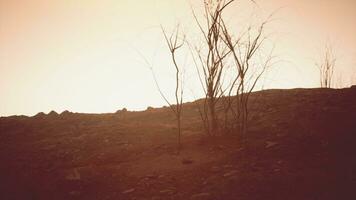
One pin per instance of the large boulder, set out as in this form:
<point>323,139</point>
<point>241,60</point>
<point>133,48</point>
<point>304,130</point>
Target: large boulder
<point>149,108</point>
<point>66,112</point>
<point>52,114</point>
<point>40,115</point>
<point>124,110</point>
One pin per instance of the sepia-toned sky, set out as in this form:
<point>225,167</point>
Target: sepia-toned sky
<point>88,55</point>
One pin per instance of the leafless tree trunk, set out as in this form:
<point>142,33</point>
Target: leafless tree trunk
<point>244,51</point>
<point>211,63</point>
<point>326,67</point>
<point>174,43</point>
<point>220,51</point>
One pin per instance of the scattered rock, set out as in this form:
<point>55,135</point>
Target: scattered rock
<point>152,176</point>
<point>124,110</point>
<point>161,146</point>
<point>53,114</point>
<point>74,193</point>
<point>186,161</point>
<point>66,112</point>
<point>230,173</point>
<point>40,115</point>
<point>168,191</point>
<point>215,169</point>
<point>324,143</point>
<point>125,143</point>
<point>128,191</point>
<point>233,179</point>
<point>280,135</point>
<point>74,175</point>
<point>200,196</point>
<point>270,144</point>
<point>228,166</point>
<point>220,147</point>
<point>49,147</point>
<point>149,108</point>
<point>211,179</point>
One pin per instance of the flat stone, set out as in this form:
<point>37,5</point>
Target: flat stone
<point>168,191</point>
<point>233,179</point>
<point>187,161</point>
<point>75,193</point>
<point>152,176</point>
<point>200,196</point>
<point>228,166</point>
<point>230,173</point>
<point>215,169</point>
<point>74,175</point>
<point>128,191</point>
<point>270,144</point>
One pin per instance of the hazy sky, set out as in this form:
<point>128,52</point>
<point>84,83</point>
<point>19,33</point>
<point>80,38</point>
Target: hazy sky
<point>83,56</point>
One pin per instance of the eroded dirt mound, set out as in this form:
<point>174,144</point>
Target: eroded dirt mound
<point>301,145</point>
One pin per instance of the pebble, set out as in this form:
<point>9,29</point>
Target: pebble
<point>128,191</point>
<point>73,175</point>
<point>270,144</point>
<point>200,196</point>
<point>230,173</point>
<point>187,161</point>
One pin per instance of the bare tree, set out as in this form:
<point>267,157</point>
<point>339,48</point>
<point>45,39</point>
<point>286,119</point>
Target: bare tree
<point>242,57</point>
<point>174,43</point>
<point>250,63</point>
<point>210,59</point>
<point>326,67</point>
<point>222,50</point>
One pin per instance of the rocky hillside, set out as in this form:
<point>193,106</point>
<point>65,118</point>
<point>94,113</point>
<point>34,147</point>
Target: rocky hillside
<point>301,145</point>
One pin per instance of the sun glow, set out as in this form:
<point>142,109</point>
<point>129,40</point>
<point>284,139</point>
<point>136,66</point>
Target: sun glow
<point>86,56</point>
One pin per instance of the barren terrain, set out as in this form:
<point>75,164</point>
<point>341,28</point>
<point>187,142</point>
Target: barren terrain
<point>301,145</point>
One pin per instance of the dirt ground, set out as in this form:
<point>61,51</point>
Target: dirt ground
<point>301,145</point>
